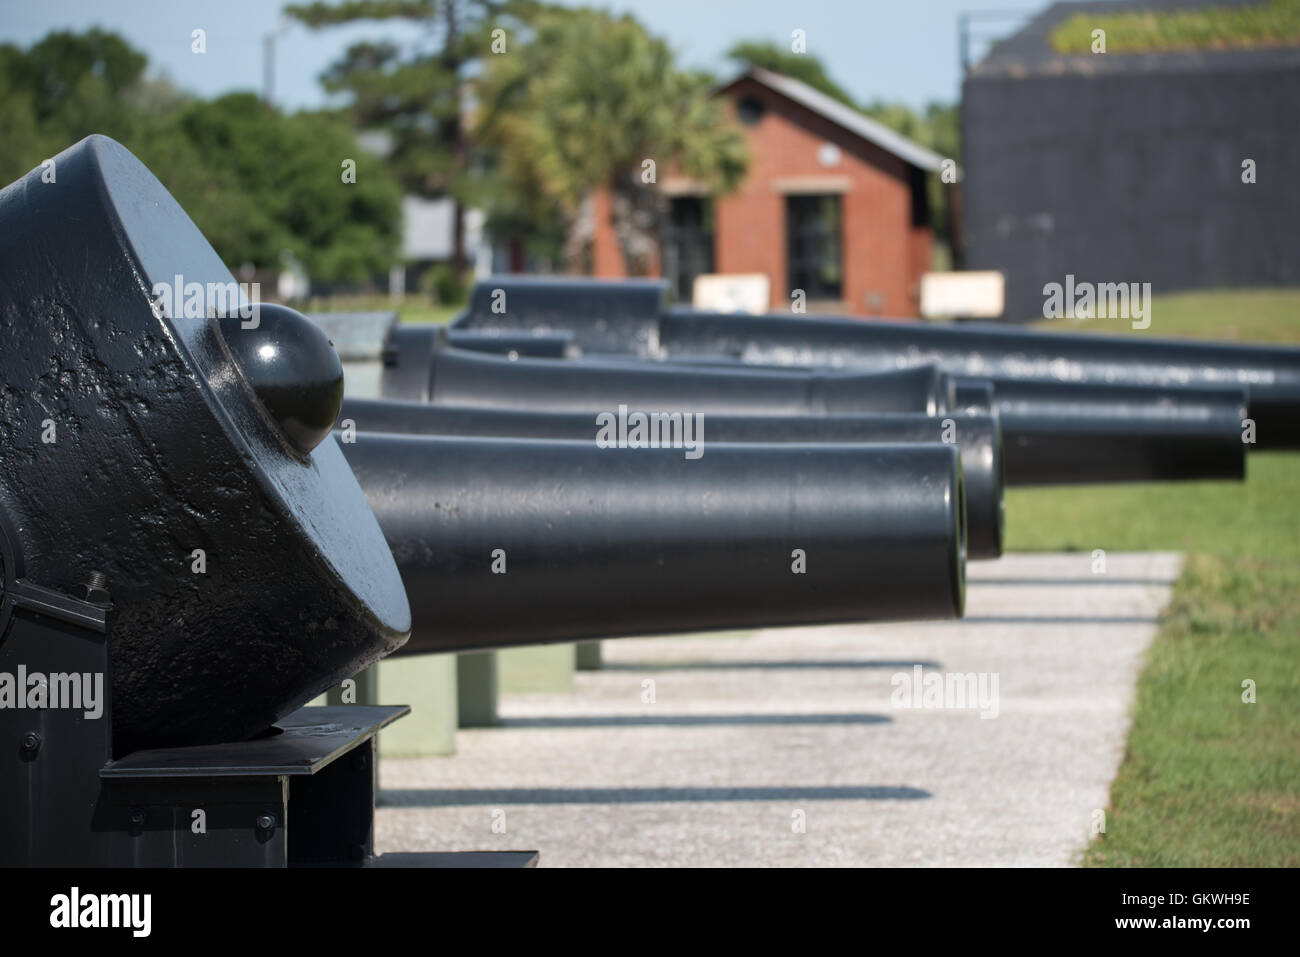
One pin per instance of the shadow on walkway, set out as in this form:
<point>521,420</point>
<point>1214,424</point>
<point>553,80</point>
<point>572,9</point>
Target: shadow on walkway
<point>685,720</point>
<point>796,664</point>
<point>445,797</point>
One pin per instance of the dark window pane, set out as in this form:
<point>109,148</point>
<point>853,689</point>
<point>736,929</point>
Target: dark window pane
<point>814,257</point>
<point>687,243</point>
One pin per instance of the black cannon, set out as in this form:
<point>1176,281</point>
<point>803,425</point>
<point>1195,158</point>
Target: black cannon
<point>504,542</point>
<point>608,317</point>
<point>420,364</point>
<point>186,556</point>
<point>515,344</point>
<point>135,436</point>
<point>1078,434</point>
<point>602,315</point>
<point>1084,433</point>
<point>1054,432</point>
<point>1270,374</point>
<point>978,437</point>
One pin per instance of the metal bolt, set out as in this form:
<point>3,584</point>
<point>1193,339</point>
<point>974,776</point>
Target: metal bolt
<point>31,742</point>
<point>265,822</point>
<point>97,588</point>
<point>137,817</point>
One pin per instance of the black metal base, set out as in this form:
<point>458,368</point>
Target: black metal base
<point>302,795</point>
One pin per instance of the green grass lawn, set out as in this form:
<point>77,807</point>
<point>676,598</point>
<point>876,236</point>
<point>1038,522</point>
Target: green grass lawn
<point>410,308</point>
<point>1206,780</point>
<point>1262,315</point>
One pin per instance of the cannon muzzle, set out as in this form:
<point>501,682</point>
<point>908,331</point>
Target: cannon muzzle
<point>503,542</point>
<point>978,437</point>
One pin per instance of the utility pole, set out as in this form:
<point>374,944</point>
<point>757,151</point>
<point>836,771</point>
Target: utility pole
<point>268,61</point>
<point>268,68</point>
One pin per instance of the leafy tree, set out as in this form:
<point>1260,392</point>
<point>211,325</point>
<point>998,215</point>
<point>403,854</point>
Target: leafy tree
<point>799,66</point>
<point>70,73</point>
<point>25,143</point>
<point>589,100</point>
<point>292,167</point>
<point>416,96</point>
<point>62,88</point>
<point>255,181</point>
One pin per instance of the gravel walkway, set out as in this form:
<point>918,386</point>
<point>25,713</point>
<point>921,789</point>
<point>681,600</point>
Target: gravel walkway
<point>793,746</point>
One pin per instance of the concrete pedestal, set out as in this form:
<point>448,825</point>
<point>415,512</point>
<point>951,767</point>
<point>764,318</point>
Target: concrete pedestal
<point>545,668</point>
<point>428,684</point>
<point>476,689</point>
<point>588,656</point>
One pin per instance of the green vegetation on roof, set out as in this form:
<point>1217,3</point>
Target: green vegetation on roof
<point>1276,23</point>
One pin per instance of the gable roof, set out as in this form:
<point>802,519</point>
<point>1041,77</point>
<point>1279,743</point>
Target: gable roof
<point>844,116</point>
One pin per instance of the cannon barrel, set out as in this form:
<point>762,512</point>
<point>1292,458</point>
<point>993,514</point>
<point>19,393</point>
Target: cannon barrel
<point>1059,433</point>
<point>604,315</point>
<point>978,437</point>
<point>419,365</point>
<point>515,344</point>
<point>1080,433</point>
<point>515,541</point>
<point>1071,433</point>
<point>973,395</point>
<point>1269,374</point>
<point>608,319</point>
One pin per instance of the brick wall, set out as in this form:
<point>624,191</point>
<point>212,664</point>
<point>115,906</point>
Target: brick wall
<point>884,254</point>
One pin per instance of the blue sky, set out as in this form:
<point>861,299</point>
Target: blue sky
<point>903,50</point>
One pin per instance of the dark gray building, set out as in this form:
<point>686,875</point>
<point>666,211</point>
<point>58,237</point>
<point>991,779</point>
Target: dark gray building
<point>1128,167</point>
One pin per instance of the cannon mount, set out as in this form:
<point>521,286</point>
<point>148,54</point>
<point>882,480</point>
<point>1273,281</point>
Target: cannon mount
<point>302,794</point>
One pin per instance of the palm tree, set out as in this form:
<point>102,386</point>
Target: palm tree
<point>584,101</point>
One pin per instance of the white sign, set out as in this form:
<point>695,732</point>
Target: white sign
<point>737,292</point>
<point>963,295</point>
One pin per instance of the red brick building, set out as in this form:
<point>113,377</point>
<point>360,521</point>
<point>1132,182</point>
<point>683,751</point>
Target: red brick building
<point>834,204</point>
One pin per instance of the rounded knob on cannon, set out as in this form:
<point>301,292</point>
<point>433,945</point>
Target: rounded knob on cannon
<point>291,366</point>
